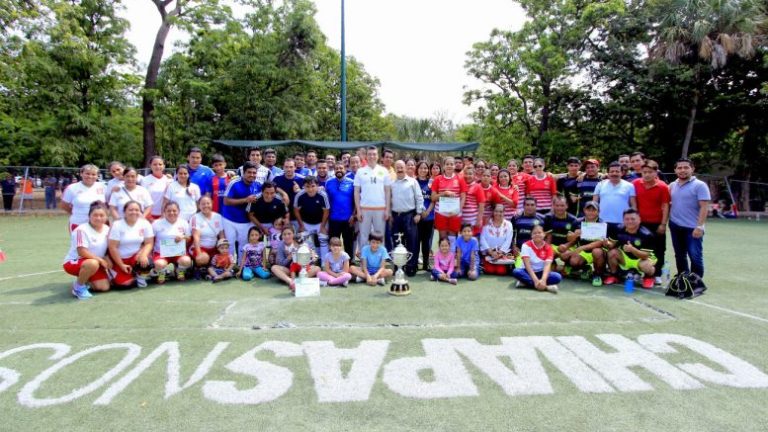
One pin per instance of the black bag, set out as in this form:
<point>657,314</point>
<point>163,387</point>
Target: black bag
<point>686,285</point>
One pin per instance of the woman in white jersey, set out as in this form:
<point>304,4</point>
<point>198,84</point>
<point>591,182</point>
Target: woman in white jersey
<point>171,230</point>
<point>130,245</point>
<point>116,170</point>
<point>156,183</point>
<point>130,190</point>
<point>77,197</point>
<point>207,227</point>
<point>87,256</point>
<point>184,193</point>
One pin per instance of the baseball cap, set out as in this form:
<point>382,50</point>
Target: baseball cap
<point>592,204</point>
<point>222,242</point>
<point>592,161</point>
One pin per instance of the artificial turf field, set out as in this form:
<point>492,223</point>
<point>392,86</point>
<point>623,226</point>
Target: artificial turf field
<point>477,356</point>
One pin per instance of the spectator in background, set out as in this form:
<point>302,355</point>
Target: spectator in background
<point>78,197</point>
<point>199,174</point>
<point>687,214</point>
<point>8,184</point>
<point>51,184</point>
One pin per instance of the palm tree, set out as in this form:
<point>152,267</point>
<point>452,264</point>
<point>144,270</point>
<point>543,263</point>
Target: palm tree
<point>702,34</point>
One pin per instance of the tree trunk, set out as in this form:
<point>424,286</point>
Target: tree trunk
<point>150,85</point>
<point>691,120</point>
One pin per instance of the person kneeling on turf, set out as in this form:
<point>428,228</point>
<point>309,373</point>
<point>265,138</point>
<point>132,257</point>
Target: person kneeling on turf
<point>589,252</point>
<point>631,248</point>
<point>537,256</point>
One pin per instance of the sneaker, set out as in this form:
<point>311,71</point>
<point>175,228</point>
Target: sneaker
<point>358,279</point>
<point>432,278</point>
<point>141,281</point>
<point>160,278</point>
<point>323,283</point>
<point>169,269</point>
<point>81,291</point>
<point>553,289</point>
<point>381,281</point>
<point>647,283</point>
<point>610,280</point>
<point>345,284</point>
<point>215,279</point>
<point>453,281</point>
<point>597,281</point>
<point>518,284</point>
<point>181,275</point>
<point>658,281</point>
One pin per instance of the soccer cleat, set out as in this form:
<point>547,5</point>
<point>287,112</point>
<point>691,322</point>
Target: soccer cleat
<point>610,280</point>
<point>597,281</point>
<point>141,281</point>
<point>81,291</point>
<point>160,278</point>
<point>169,269</point>
<point>648,282</point>
<point>553,289</point>
<point>181,275</point>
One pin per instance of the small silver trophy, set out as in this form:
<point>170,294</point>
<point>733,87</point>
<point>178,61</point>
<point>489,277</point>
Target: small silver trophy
<point>400,257</point>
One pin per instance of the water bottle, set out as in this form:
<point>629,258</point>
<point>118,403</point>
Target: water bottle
<point>629,284</point>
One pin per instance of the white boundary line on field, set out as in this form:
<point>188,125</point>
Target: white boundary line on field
<point>29,274</point>
<point>720,308</point>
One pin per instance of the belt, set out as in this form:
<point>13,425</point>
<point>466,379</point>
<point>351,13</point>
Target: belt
<point>404,213</point>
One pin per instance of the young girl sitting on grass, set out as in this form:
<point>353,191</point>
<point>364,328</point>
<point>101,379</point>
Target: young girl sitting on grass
<point>372,259</point>
<point>467,255</point>
<point>335,266</point>
<point>222,264</point>
<point>444,263</point>
<point>252,257</point>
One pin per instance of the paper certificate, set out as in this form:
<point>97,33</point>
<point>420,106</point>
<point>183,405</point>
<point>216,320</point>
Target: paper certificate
<point>449,206</point>
<point>594,230</point>
<point>169,248</point>
<point>307,287</point>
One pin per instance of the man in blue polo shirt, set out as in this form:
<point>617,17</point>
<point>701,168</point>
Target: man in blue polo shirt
<point>341,193</point>
<point>199,174</point>
<point>687,214</point>
<point>614,195</point>
<point>240,193</point>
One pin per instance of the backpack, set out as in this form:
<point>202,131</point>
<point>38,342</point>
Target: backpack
<point>686,285</point>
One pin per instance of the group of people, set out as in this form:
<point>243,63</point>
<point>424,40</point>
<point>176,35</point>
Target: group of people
<point>519,220</point>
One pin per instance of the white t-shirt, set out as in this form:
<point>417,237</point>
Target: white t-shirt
<point>371,183</point>
<point>85,236</point>
<point>165,230</point>
<point>139,194</point>
<point>209,229</point>
<point>156,187</point>
<point>130,237</point>
<point>111,184</point>
<point>186,198</point>
<point>80,198</point>
<point>537,264</point>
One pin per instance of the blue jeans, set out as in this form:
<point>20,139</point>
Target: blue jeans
<point>465,268</point>
<point>522,275</point>
<point>686,246</point>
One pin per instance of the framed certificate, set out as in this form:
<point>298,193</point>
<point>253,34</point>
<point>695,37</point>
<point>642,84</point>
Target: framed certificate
<point>169,248</point>
<point>449,206</point>
<point>594,230</point>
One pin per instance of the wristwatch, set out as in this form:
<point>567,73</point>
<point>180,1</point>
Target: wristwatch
<point>701,227</point>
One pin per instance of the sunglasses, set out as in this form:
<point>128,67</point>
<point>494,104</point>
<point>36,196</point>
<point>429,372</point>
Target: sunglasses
<point>538,166</point>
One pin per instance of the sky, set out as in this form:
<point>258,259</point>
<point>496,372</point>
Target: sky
<point>416,48</point>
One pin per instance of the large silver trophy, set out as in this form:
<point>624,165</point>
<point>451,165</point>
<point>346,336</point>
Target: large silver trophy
<point>400,257</point>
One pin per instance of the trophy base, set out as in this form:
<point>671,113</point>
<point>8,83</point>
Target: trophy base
<point>400,289</point>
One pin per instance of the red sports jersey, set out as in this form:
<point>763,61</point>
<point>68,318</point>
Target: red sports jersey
<point>650,200</point>
<point>469,212</point>
<point>491,199</point>
<point>511,193</point>
<point>521,181</point>
<point>455,184</point>
<point>543,190</point>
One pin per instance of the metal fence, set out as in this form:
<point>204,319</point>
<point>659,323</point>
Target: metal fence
<point>39,189</point>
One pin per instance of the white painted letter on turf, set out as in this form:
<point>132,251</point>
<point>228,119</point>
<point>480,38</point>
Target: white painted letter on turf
<point>10,377</point>
<point>451,378</point>
<point>173,371</point>
<point>740,373</point>
<point>325,365</point>
<point>27,394</point>
<point>274,381</point>
<point>615,366</point>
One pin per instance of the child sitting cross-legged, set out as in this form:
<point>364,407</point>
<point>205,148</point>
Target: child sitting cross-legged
<point>222,264</point>
<point>335,266</point>
<point>467,255</point>
<point>372,259</point>
<point>252,257</point>
<point>444,263</point>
